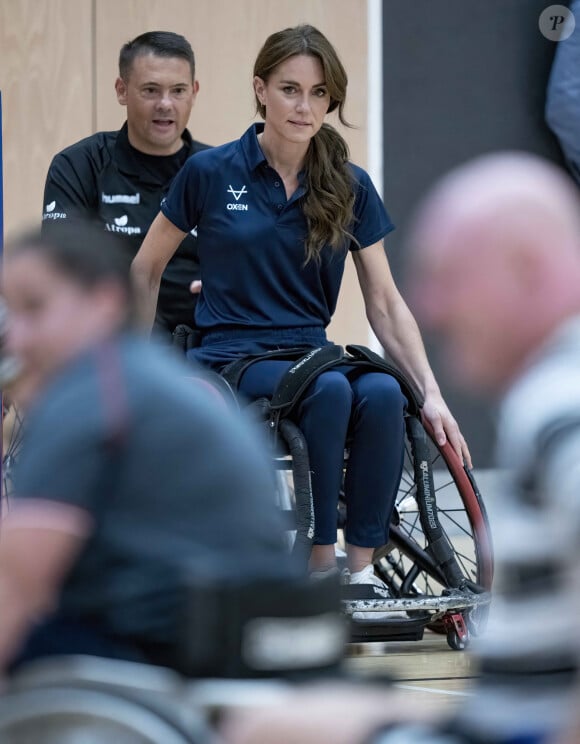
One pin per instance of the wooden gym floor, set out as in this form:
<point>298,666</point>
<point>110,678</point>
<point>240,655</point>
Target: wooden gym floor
<point>432,676</point>
<point>429,672</point>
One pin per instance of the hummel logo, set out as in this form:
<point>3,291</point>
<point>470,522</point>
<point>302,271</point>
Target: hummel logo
<point>120,198</point>
<point>237,194</point>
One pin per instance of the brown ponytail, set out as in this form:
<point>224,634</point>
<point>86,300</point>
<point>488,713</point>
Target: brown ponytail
<point>328,203</point>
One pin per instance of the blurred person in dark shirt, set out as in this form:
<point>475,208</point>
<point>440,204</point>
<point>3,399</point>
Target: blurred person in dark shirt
<point>130,475</point>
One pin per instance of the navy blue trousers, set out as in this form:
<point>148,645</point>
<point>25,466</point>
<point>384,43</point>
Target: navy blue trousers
<point>365,409</point>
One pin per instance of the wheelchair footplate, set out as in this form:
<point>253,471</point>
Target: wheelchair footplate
<point>455,609</point>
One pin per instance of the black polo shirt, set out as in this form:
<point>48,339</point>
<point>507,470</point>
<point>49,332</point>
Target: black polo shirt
<point>104,179</point>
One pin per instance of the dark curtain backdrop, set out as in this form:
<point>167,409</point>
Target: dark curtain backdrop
<point>461,78</point>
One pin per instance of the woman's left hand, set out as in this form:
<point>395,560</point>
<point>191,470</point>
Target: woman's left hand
<point>445,427</point>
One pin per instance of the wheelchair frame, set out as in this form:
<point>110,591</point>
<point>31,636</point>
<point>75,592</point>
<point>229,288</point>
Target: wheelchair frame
<point>105,690</point>
<point>460,609</point>
<point>460,606</point>
<point>12,423</point>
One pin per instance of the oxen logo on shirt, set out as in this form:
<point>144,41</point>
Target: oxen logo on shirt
<point>237,193</point>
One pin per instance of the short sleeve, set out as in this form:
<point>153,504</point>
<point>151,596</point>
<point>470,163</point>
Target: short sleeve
<point>372,221</point>
<point>63,456</point>
<point>69,192</point>
<point>183,203</point>
<point>563,96</point>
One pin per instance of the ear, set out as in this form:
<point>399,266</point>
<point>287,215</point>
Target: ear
<point>195,89</point>
<point>111,306</point>
<point>121,90</point>
<point>260,90</point>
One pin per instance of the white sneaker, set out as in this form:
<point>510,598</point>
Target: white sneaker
<point>368,576</point>
<point>369,586</point>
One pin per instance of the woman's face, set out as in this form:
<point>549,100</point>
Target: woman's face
<point>51,318</point>
<point>296,98</point>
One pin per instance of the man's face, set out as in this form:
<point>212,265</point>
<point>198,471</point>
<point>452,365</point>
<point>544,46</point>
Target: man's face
<point>50,318</point>
<point>159,95</point>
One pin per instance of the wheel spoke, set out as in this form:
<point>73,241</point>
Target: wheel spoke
<point>455,523</point>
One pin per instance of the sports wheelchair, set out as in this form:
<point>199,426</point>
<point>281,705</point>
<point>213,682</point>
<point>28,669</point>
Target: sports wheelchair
<point>438,562</point>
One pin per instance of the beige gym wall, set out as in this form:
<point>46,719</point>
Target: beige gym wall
<point>58,63</point>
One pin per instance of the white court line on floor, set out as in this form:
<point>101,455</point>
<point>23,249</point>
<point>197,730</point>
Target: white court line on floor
<point>433,690</point>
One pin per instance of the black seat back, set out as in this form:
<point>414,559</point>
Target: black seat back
<point>276,627</point>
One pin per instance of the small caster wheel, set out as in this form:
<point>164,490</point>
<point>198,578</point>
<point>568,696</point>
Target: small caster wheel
<point>458,635</point>
<point>457,642</point>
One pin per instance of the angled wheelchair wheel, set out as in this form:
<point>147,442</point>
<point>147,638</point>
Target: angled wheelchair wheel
<point>69,715</point>
<point>412,563</point>
<point>12,426</point>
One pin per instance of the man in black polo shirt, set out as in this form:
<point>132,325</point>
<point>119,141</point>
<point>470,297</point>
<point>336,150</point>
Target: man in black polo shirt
<point>117,179</point>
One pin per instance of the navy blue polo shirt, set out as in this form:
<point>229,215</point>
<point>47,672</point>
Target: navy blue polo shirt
<point>251,240</point>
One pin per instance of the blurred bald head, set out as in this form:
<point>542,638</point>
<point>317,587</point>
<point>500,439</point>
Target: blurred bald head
<point>496,263</point>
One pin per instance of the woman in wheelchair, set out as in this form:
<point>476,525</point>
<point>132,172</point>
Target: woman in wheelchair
<point>277,212</point>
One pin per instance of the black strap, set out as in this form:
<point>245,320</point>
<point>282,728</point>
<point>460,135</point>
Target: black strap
<point>311,362</point>
<point>114,395</point>
<point>362,356</point>
<point>116,414</point>
<point>233,371</point>
<point>185,338</point>
<point>297,378</point>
